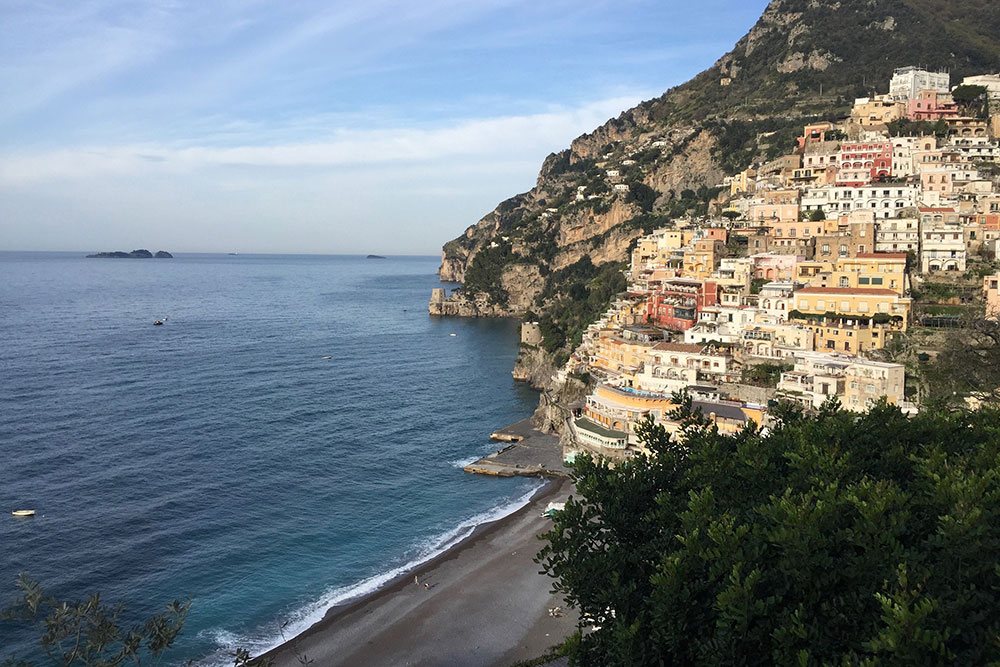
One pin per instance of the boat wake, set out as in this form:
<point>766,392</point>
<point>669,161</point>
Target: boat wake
<point>301,619</point>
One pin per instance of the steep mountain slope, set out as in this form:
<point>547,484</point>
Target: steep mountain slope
<point>803,59</point>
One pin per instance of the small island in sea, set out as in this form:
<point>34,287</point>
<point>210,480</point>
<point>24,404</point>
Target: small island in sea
<point>135,254</point>
<point>375,257</point>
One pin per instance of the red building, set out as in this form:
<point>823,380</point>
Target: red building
<point>677,305</point>
<point>862,162</point>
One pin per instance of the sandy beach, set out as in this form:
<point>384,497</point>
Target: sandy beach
<point>484,604</point>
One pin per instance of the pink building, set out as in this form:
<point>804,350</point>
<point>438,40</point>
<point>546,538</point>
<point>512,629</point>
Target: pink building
<point>714,233</point>
<point>931,105</point>
<point>862,162</point>
<point>991,293</point>
<point>775,267</point>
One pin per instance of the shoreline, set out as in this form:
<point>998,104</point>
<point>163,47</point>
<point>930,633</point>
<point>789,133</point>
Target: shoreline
<point>341,629</point>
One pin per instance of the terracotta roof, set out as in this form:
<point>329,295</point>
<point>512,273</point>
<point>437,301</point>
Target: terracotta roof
<point>881,255</point>
<point>845,290</point>
<point>678,347</point>
<point>927,209</point>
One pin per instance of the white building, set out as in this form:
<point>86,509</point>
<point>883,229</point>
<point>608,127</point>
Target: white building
<point>903,150</point>
<point>991,82</point>
<point>942,247</point>
<point>776,341</point>
<point>775,299</point>
<point>886,200</point>
<point>856,382</point>
<point>897,235</point>
<point>976,149</point>
<point>908,81</point>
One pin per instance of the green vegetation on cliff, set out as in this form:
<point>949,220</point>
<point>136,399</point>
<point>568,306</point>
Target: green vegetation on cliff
<point>485,274</point>
<point>573,298</point>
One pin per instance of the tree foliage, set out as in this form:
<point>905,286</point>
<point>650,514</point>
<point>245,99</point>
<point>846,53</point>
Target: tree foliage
<point>91,632</point>
<point>973,100</point>
<point>642,195</point>
<point>968,364</point>
<point>574,297</point>
<point>904,127</point>
<point>485,272</point>
<point>837,539</point>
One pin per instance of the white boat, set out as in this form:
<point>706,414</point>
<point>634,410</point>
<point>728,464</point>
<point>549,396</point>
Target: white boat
<point>23,512</point>
<point>452,335</point>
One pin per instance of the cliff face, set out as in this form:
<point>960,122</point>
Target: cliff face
<point>802,59</point>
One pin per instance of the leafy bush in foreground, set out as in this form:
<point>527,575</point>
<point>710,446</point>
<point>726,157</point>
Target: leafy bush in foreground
<point>836,539</point>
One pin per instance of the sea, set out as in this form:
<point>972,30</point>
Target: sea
<point>292,437</point>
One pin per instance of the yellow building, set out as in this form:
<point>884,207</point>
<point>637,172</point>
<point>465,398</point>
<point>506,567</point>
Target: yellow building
<point>877,111</point>
<point>776,205</point>
<point>866,270</point>
<point>611,414</point>
<point>868,381</point>
<point>743,182</point>
<point>657,248</point>
<point>701,258</point>
<point>617,355</point>
<point>848,319</point>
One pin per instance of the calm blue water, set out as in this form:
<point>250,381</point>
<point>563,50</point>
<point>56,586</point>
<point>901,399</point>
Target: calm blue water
<point>219,457</point>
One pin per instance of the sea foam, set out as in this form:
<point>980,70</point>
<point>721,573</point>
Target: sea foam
<point>301,619</point>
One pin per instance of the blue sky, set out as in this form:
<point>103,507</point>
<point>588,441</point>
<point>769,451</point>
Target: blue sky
<point>335,127</point>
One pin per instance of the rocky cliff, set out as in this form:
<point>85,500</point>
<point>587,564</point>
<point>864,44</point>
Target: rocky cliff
<point>802,59</point>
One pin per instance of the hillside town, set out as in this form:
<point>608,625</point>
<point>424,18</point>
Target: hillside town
<point>810,268</point>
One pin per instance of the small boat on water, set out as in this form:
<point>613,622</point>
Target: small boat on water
<point>158,323</point>
<point>23,512</point>
<point>326,357</point>
<point>452,335</point>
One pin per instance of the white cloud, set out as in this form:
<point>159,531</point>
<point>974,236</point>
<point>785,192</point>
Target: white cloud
<point>504,138</point>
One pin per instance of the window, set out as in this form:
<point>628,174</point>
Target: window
<point>876,281</point>
<point>863,280</point>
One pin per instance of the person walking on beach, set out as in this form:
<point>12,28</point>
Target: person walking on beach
<point>416,580</point>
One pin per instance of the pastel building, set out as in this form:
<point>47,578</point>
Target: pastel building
<point>856,383</point>
<point>931,105</point>
<point>776,205</point>
<point>862,162</point>
<point>907,82</point>
<point>942,240</point>
<point>612,412</point>
<point>851,320</point>
<point>776,267</point>
<point>676,305</point>
<point>991,295</point>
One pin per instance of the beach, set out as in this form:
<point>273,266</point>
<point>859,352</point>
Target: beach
<point>482,602</point>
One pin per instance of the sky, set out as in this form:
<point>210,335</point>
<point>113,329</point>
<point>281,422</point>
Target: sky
<point>313,127</point>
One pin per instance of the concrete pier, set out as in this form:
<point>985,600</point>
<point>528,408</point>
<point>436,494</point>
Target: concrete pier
<point>530,454</point>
